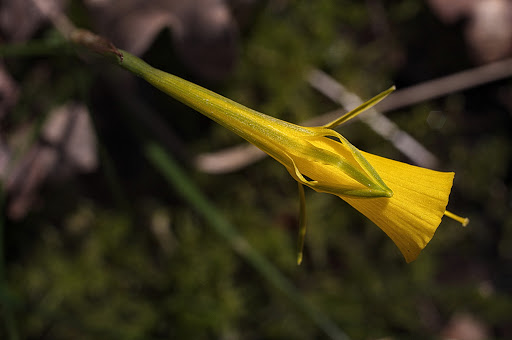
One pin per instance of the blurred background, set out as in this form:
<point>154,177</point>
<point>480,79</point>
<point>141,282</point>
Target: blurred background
<point>96,244</point>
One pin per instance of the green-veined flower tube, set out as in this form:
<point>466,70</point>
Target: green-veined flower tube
<point>405,201</point>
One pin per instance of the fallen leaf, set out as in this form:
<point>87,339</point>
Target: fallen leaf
<point>19,19</point>
<point>488,28</point>
<point>489,31</point>
<point>27,177</point>
<point>203,31</point>
<point>9,92</point>
<point>5,155</point>
<point>67,146</point>
<point>451,11</point>
<point>69,129</point>
<point>465,327</point>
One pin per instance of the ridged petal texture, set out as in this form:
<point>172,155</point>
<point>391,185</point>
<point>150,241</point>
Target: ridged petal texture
<point>411,217</point>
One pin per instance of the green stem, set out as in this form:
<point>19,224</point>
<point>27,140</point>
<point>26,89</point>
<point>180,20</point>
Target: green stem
<point>302,224</point>
<point>44,47</point>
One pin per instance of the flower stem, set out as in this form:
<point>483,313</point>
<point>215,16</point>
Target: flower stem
<point>302,224</point>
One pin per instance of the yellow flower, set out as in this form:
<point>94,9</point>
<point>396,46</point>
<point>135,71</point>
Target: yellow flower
<point>405,201</point>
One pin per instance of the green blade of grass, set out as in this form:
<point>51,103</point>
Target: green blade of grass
<point>179,182</point>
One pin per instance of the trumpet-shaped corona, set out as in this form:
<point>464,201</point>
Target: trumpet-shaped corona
<point>405,201</point>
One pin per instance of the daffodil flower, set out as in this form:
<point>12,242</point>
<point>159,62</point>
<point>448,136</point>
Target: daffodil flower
<point>405,201</point>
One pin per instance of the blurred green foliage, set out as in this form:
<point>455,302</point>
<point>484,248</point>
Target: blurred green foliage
<point>118,255</point>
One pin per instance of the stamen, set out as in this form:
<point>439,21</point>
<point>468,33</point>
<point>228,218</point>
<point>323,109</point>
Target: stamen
<point>463,220</point>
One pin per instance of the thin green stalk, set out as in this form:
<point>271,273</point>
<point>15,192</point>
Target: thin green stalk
<point>180,182</point>
<point>302,224</point>
<point>49,46</point>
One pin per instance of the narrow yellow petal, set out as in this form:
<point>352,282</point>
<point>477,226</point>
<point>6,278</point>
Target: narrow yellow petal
<point>411,217</point>
<point>360,109</point>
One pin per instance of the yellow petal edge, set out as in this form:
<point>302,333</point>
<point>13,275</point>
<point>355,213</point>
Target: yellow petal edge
<point>410,218</point>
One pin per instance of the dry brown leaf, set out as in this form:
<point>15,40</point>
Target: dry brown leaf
<point>27,177</point>
<point>67,146</point>
<point>489,25</point>
<point>452,10</point>
<point>489,32</point>
<point>5,155</point>
<point>203,31</point>
<point>69,128</point>
<point>19,19</point>
<point>465,327</point>
<point>9,92</point>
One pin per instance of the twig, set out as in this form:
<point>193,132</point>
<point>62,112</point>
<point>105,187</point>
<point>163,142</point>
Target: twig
<point>450,84</point>
<point>400,139</point>
<point>240,156</point>
<point>48,8</point>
